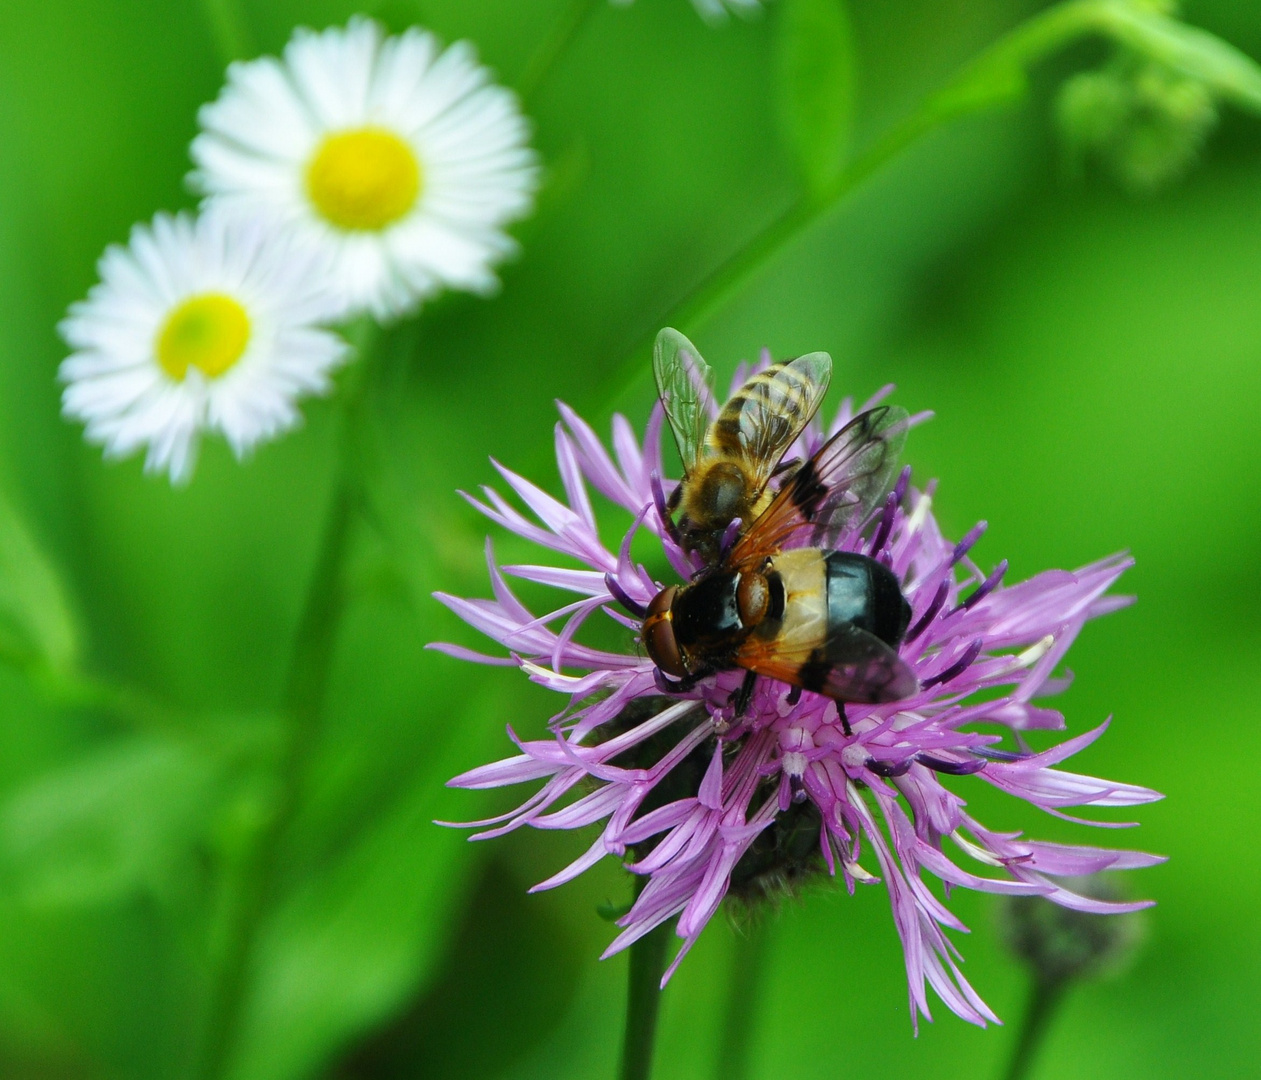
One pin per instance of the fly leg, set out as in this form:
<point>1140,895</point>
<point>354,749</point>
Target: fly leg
<point>741,698</point>
<point>681,686</point>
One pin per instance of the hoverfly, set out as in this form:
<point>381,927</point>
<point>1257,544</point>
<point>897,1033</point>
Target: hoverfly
<point>728,463</point>
<point>781,603</point>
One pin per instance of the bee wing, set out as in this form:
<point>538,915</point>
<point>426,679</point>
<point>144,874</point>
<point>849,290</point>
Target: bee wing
<point>685,386</point>
<point>834,489</point>
<point>767,414</point>
<point>849,665</point>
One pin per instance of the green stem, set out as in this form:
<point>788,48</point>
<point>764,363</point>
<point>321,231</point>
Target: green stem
<point>306,686</point>
<point>1045,997</point>
<point>643,998</point>
<point>228,29</point>
<point>554,46</point>
<point>745,983</point>
<point>997,76</point>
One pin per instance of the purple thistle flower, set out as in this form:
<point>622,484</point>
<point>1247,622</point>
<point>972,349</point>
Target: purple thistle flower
<point>704,805</point>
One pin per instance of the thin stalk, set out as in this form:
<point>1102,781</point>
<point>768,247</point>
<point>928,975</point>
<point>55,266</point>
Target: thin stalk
<point>643,999</point>
<point>555,45</point>
<point>228,29</point>
<point>747,965</point>
<point>995,77</point>
<point>307,682</point>
<point>306,686</point>
<point>1045,996</point>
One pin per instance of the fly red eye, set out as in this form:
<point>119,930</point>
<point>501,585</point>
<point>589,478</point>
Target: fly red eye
<point>658,634</point>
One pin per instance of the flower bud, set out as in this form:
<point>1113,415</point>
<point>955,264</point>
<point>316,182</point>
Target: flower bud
<point>1059,944</point>
<point>1139,120</point>
<point>783,858</point>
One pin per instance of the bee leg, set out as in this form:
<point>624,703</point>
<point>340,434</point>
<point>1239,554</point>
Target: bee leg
<point>665,510</point>
<point>741,698</point>
<point>794,696</point>
<point>840,712</point>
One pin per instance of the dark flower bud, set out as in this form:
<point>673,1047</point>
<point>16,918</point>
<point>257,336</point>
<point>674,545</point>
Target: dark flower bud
<point>783,858</point>
<point>1059,944</point>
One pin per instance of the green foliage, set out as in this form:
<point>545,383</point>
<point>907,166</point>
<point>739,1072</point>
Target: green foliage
<point>37,624</point>
<point>1092,364</point>
<point>354,936</point>
<point>135,814</point>
<point>1189,50</point>
<point>815,59</point>
<point>99,829</point>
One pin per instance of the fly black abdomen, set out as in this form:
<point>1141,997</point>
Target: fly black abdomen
<point>866,594</point>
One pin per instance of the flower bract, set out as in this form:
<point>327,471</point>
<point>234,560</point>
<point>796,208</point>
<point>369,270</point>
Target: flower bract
<point>702,804</point>
<point>198,324</point>
<point>402,160</point>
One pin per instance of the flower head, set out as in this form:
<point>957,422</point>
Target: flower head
<point>205,323</point>
<point>703,804</point>
<point>402,160</point>
<point>716,10</point>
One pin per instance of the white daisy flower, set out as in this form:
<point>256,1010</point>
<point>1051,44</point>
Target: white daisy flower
<point>714,10</point>
<point>403,160</point>
<point>203,323</point>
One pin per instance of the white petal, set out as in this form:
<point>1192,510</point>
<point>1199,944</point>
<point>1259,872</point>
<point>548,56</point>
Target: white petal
<point>114,382</point>
<point>478,172</point>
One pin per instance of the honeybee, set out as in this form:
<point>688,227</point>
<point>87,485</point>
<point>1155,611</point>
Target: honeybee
<point>819,619</point>
<point>728,463</point>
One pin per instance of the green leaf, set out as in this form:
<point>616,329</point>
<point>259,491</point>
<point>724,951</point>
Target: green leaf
<point>350,943</point>
<point>105,826</point>
<point>125,817</point>
<point>611,912</point>
<point>815,58</point>
<point>37,626</point>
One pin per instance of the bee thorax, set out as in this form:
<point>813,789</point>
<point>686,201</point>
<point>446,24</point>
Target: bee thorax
<point>717,497</point>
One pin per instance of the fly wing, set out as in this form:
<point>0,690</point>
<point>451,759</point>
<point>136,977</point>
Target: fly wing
<point>848,665</point>
<point>832,491</point>
<point>767,414</point>
<point>685,386</point>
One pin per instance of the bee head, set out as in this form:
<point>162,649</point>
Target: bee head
<point>658,634</point>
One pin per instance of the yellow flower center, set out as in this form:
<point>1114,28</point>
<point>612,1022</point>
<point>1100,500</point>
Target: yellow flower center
<point>363,179</point>
<point>208,332</point>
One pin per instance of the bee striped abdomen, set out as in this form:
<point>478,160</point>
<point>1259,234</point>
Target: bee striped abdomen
<point>776,397</point>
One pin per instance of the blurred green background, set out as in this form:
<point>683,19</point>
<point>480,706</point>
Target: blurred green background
<point>1094,360</point>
